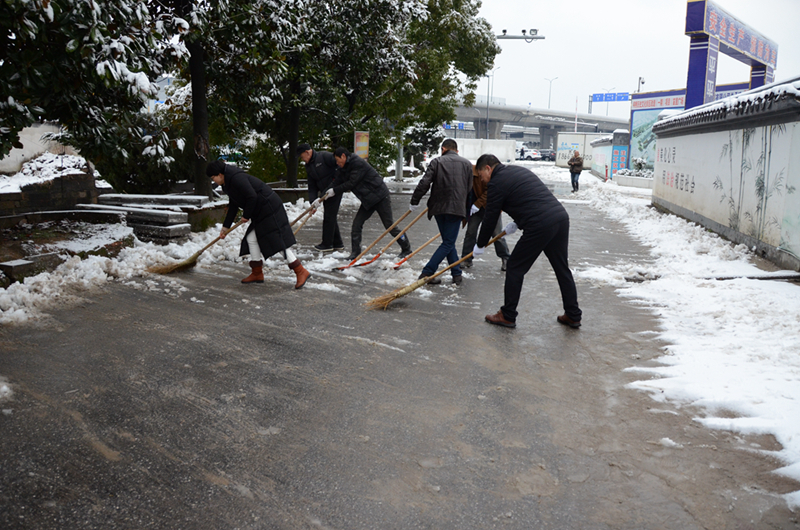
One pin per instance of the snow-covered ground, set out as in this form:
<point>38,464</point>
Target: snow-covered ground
<point>733,345</point>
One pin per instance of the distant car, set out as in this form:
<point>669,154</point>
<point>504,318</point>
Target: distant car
<point>528,154</point>
<point>547,154</point>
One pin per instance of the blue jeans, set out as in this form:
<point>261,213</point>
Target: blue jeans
<point>448,227</point>
<point>575,177</point>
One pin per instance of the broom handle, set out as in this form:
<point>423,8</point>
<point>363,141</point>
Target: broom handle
<point>468,256</point>
<point>301,215</point>
<point>398,236</point>
<point>321,199</point>
<point>381,236</point>
<point>305,221</point>
<point>231,229</point>
<point>431,240</point>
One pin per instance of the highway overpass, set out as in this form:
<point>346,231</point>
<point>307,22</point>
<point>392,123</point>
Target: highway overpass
<point>548,121</point>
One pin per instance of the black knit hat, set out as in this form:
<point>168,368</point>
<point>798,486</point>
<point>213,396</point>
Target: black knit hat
<point>302,148</point>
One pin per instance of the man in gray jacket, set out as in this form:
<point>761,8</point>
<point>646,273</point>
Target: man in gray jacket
<point>450,178</point>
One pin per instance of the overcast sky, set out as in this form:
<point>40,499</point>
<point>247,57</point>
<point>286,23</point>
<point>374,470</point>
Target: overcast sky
<point>594,46</point>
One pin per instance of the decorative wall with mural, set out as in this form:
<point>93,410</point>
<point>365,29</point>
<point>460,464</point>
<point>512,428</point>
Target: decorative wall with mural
<point>734,166</point>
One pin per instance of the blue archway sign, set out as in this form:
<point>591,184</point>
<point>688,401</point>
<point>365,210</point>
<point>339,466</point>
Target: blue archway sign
<point>714,30</point>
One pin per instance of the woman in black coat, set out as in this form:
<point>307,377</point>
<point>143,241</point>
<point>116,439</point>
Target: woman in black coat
<point>269,231</point>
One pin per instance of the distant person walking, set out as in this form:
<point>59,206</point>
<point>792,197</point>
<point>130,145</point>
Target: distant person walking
<point>477,213</point>
<point>575,167</point>
<point>358,176</point>
<point>321,170</point>
<point>269,231</point>
<point>449,177</point>
<point>545,228</point>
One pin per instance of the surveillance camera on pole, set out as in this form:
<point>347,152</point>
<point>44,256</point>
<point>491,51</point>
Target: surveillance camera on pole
<point>527,35</point>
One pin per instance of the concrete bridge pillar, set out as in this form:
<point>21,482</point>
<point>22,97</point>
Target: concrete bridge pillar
<point>548,136</point>
<point>495,126</point>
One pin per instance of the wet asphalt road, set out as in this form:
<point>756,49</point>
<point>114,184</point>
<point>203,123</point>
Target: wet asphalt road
<point>301,409</point>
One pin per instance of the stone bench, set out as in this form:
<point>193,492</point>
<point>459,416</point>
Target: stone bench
<point>120,199</point>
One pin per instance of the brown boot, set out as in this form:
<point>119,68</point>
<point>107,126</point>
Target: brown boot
<point>301,272</point>
<point>257,276</point>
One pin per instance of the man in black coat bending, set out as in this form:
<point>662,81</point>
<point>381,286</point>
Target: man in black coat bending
<point>359,177</point>
<point>269,231</point>
<point>321,170</point>
<point>545,228</point>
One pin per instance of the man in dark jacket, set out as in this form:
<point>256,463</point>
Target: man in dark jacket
<point>545,227</point>
<point>269,231</point>
<point>575,167</point>
<point>321,170</point>
<point>358,176</point>
<point>449,177</point>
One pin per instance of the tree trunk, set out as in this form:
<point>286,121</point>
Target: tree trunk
<point>294,133</point>
<point>202,184</point>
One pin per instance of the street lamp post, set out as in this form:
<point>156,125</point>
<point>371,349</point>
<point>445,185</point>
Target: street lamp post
<point>641,82</point>
<point>489,90</point>
<point>607,91</point>
<point>550,90</point>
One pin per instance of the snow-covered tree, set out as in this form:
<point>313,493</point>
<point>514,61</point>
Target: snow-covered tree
<point>86,64</point>
<point>387,62</point>
<point>236,63</point>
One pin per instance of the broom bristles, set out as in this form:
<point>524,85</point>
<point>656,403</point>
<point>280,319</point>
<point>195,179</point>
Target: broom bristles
<point>191,261</point>
<point>383,301</point>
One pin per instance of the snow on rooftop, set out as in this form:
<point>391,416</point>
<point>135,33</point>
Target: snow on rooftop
<point>773,91</point>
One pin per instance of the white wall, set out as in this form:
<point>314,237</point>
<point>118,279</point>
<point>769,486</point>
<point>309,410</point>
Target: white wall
<point>567,143</point>
<point>472,149</point>
<point>747,180</point>
<point>32,146</point>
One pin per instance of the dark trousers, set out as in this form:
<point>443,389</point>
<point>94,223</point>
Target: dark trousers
<point>330,225</point>
<point>448,227</point>
<point>471,235</point>
<point>553,240</point>
<point>384,209</point>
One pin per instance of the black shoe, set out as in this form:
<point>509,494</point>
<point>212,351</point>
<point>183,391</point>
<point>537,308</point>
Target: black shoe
<point>353,255</point>
<point>503,264</point>
<point>338,248</point>
<point>405,253</point>
<point>435,281</point>
<point>458,279</point>
<point>323,248</point>
<point>466,264</point>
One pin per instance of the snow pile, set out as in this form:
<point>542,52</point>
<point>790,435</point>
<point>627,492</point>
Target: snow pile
<point>733,344</point>
<point>43,169</point>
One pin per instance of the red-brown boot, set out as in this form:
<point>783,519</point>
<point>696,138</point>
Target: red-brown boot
<point>301,272</point>
<point>257,276</point>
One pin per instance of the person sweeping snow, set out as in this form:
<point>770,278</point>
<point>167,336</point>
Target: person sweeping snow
<point>269,231</point>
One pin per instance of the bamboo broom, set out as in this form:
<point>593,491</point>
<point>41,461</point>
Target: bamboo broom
<point>383,302</point>
<point>191,261</point>
<point>305,221</point>
<point>374,242</point>
<point>392,242</point>
<point>428,242</point>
